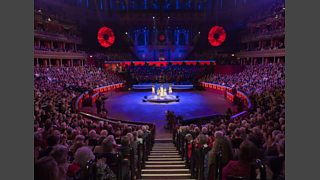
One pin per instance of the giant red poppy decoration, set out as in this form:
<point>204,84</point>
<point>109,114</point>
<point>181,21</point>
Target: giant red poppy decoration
<point>162,37</point>
<point>217,36</point>
<point>106,37</point>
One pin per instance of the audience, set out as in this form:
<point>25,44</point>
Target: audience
<point>64,140</point>
<point>242,167</point>
<point>178,74</point>
<point>259,134</point>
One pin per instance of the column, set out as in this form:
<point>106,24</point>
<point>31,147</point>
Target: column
<point>49,62</point>
<point>145,37</point>
<point>178,35</point>
<point>64,46</point>
<point>186,36</point>
<point>51,45</point>
<point>61,63</point>
<point>71,62</point>
<point>75,47</point>
<point>260,45</point>
<point>135,38</point>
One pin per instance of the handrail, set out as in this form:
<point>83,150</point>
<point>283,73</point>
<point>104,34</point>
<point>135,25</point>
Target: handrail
<point>239,94</point>
<point>218,168</point>
<point>114,121</point>
<point>96,90</point>
<point>262,169</point>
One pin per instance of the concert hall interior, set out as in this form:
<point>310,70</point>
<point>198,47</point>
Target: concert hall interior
<point>159,89</point>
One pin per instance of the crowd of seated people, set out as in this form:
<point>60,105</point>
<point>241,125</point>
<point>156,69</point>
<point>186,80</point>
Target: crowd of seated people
<point>65,141</point>
<point>254,79</point>
<point>51,24</point>
<point>178,74</point>
<point>114,56</point>
<point>275,8</point>
<point>265,45</point>
<point>68,49</point>
<point>266,26</point>
<point>238,142</point>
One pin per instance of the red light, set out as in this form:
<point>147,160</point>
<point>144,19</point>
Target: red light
<point>162,37</point>
<point>217,36</point>
<point>106,42</point>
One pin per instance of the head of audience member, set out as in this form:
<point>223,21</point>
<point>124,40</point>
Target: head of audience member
<point>248,152</point>
<point>83,155</point>
<point>46,168</point>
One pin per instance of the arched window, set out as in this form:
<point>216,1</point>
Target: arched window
<point>141,39</point>
<point>182,39</point>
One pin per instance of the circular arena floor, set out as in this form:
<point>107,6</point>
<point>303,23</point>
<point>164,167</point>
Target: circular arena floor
<point>129,106</point>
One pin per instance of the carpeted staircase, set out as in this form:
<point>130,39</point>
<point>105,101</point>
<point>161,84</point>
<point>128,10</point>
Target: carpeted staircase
<point>164,162</point>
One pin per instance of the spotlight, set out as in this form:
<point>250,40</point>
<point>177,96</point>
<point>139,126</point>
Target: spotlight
<point>199,32</point>
<point>153,17</point>
<point>126,32</point>
<point>90,56</point>
<point>49,19</point>
<point>168,17</point>
<point>232,55</point>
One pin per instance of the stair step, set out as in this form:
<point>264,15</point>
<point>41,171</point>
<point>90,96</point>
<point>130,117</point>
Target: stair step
<point>164,166</point>
<point>165,171</point>
<point>164,159</point>
<point>164,151</point>
<point>161,176</point>
<point>164,156</point>
<point>160,153</point>
<point>164,162</point>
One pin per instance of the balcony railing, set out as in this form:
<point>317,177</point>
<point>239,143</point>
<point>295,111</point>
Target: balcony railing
<point>56,37</point>
<point>263,35</point>
<point>262,53</point>
<point>59,55</point>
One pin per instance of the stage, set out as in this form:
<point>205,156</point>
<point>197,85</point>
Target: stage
<point>129,106</point>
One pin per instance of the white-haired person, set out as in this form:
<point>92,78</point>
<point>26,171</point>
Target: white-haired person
<point>82,156</point>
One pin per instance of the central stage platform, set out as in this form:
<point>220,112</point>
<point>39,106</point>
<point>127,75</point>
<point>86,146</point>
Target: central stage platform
<point>149,86</point>
<point>193,104</point>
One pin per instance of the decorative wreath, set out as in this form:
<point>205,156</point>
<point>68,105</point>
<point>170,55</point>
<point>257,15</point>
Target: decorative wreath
<point>162,37</point>
<point>217,36</point>
<point>105,31</point>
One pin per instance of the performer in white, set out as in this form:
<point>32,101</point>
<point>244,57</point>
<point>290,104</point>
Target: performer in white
<point>153,89</point>
<point>170,89</point>
<point>161,91</point>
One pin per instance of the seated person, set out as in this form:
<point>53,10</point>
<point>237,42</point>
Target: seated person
<point>247,154</point>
